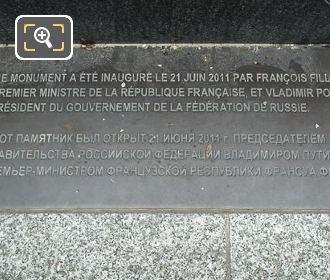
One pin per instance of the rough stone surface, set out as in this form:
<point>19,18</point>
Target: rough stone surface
<point>159,21</point>
<point>111,246</point>
<point>280,247</point>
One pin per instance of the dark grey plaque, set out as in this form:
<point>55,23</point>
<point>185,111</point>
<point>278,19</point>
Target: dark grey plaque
<point>249,128</point>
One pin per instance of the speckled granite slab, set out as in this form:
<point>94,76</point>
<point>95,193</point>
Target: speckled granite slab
<point>280,246</point>
<point>112,246</point>
<point>164,246</point>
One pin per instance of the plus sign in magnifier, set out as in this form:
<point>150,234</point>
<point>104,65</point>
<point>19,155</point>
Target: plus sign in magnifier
<point>42,35</point>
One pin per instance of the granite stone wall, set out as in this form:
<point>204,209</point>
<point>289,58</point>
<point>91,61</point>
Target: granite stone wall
<point>167,246</point>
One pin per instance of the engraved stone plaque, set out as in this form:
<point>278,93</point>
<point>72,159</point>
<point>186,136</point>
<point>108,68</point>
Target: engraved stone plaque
<point>167,127</point>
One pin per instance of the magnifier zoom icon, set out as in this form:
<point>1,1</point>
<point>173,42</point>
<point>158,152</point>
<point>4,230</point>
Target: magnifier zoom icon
<point>42,35</point>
